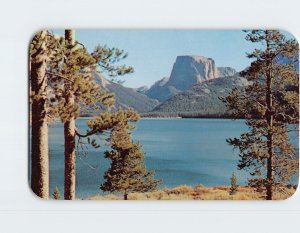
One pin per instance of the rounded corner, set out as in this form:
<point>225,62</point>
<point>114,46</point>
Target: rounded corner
<point>292,195</point>
<point>37,197</point>
<point>291,34</point>
<point>35,33</point>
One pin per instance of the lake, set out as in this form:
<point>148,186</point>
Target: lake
<point>180,151</point>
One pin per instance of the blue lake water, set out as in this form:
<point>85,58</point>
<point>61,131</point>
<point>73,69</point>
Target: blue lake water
<point>180,151</point>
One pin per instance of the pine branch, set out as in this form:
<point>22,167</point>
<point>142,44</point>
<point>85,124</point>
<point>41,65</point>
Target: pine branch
<point>90,133</point>
<point>59,75</point>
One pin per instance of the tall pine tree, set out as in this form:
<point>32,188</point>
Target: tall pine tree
<point>62,84</point>
<point>39,128</point>
<point>42,53</point>
<point>74,88</point>
<point>269,104</point>
<point>128,172</point>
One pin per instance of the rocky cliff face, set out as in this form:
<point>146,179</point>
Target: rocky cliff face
<point>225,72</point>
<point>126,97</point>
<point>187,71</point>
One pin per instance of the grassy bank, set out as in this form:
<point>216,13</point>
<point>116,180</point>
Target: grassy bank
<point>199,193</point>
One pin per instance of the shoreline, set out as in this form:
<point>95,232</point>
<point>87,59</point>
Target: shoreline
<point>199,192</point>
<point>172,117</point>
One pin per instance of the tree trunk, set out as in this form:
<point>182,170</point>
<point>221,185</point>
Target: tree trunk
<point>39,128</point>
<point>70,158</point>
<point>69,134</point>
<point>125,196</point>
<point>269,143</point>
<point>270,169</point>
<point>269,117</point>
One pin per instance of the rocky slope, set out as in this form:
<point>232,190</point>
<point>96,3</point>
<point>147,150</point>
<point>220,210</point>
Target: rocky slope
<point>142,89</point>
<point>187,71</point>
<point>126,97</point>
<point>201,99</point>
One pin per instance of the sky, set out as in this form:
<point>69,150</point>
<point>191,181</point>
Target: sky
<point>152,53</point>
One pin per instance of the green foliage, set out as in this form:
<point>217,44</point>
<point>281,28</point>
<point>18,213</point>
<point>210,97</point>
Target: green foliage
<point>77,71</point>
<point>71,72</point>
<point>108,120</point>
<point>234,186</point>
<point>42,48</point>
<point>268,106</point>
<point>52,46</point>
<point>107,57</point>
<point>56,194</point>
<point>128,172</point>
<point>69,69</point>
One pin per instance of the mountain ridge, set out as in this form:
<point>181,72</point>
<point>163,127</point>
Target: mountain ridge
<point>126,97</point>
<point>202,99</point>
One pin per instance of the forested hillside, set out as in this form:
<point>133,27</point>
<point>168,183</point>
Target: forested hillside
<point>201,99</point>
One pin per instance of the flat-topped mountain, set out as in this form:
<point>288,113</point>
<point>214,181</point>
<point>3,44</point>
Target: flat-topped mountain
<point>187,71</point>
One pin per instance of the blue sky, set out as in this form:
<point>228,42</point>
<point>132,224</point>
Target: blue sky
<point>152,53</point>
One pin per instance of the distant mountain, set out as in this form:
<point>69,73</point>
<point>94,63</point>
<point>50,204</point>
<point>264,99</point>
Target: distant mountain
<point>201,99</point>
<point>187,71</point>
<point>225,72</point>
<point>126,97</point>
<point>161,90</point>
<point>142,89</point>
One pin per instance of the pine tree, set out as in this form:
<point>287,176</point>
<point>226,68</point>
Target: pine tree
<point>41,53</point>
<point>62,84</point>
<point>234,186</point>
<point>56,194</point>
<point>128,172</point>
<point>269,104</point>
<point>69,124</point>
<point>39,129</point>
<point>74,89</point>
<point>45,53</point>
